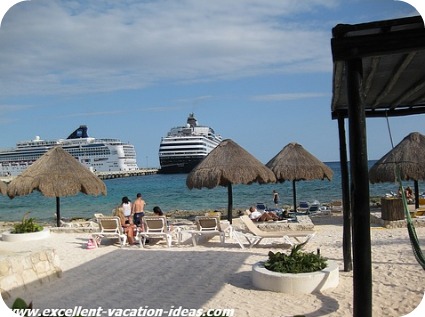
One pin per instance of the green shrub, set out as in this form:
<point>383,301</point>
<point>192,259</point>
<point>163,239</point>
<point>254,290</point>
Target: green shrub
<point>27,225</point>
<point>20,307</point>
<point>295,262</point>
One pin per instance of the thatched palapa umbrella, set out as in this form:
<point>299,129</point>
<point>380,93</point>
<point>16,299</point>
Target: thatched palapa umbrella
<point>3,188</point>
<point>56,174</point>
<point>228,164</point>
<point>409,156</point>
<point>294,163</point>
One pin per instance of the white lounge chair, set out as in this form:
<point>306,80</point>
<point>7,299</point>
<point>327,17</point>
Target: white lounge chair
<point>336,206</point>
<point>255,234</point>
<point>314,206</point>
<point>209,226</point>
<point>78,224</point>
<point>303,206</point>
<point>110,227</point>
<point>223,225</point>
<point>155,227</point>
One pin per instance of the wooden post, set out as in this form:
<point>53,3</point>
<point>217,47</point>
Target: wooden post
<point>392,209</point>
<point>416,185</point>
<point>346,235</point>
<point>229,203</point>
<point>362,262</point>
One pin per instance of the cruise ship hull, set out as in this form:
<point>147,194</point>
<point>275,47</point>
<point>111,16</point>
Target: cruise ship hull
<point>185,146</point>
<point>101,155</point>
<point>175,166</point>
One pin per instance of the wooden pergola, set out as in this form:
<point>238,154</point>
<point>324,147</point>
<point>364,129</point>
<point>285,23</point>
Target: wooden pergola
<point>378,72</point>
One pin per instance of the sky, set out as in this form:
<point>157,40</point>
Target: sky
<point>258,72</point>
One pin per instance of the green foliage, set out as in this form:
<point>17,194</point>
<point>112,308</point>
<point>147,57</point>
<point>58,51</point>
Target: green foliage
<point>295,262</point>
<point>19,306</point>
<point>27,225</point>
<point>19,303</point>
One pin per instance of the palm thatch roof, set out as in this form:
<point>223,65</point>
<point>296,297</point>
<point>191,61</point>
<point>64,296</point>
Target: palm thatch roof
<point>3,188</point>
<point>56,174</point>
<point>228,164</point>
<point>294,163</point>
<point>408,155</point>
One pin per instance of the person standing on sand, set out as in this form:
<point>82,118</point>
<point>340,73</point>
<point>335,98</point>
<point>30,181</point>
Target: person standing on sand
<point>275,198</point>
<point>126,206</point>
<point>138,209</point>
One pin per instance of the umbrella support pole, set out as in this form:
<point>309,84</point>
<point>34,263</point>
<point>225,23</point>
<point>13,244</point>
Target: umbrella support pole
<point>58,212</point>
<point>229,202</point>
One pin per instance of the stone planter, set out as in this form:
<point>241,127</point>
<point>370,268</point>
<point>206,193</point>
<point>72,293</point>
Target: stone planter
<point>301,283</point>
<point>17,237</point>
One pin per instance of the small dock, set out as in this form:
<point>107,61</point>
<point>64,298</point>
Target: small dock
<point>121,174</point>
<point>106,175</point>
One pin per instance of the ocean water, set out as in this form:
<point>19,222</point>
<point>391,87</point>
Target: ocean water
<point>171,193</point>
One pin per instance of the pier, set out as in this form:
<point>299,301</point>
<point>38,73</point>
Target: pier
<point>106,175</point>
<point>120,174</point>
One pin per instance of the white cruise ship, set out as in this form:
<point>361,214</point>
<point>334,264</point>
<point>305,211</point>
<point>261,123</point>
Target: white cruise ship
<point>185,146</point>
<point>101,155</point>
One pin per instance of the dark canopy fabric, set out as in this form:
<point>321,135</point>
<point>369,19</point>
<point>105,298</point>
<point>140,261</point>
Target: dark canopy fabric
<point>56,174</point>
<point>408,156</point>
<point>294,163</point>
<point>228,164</point>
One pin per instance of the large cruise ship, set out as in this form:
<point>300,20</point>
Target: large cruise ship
<point>185,146</point>
<point>102,155</point>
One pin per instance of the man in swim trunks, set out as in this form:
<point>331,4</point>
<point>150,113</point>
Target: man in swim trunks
<point>138,209</point>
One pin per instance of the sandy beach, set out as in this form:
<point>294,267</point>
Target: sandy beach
<point>213,276</point>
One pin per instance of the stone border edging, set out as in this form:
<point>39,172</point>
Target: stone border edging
<point>22,271</point>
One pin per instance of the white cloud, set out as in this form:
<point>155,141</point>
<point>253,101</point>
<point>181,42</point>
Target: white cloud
<point>72,46</point>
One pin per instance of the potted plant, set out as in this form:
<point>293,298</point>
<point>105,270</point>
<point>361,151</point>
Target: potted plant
<point>26,230</point>
<point>27,225</point>
<point>296,273</point>
<point>296,262</point>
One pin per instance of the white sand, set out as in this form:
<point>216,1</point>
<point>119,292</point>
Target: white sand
<point>213,276</point>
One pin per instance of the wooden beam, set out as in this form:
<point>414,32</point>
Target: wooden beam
<point>374,45</point>
<point>346,210</point>
<point>384,112</point>
<point>362,257</point>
